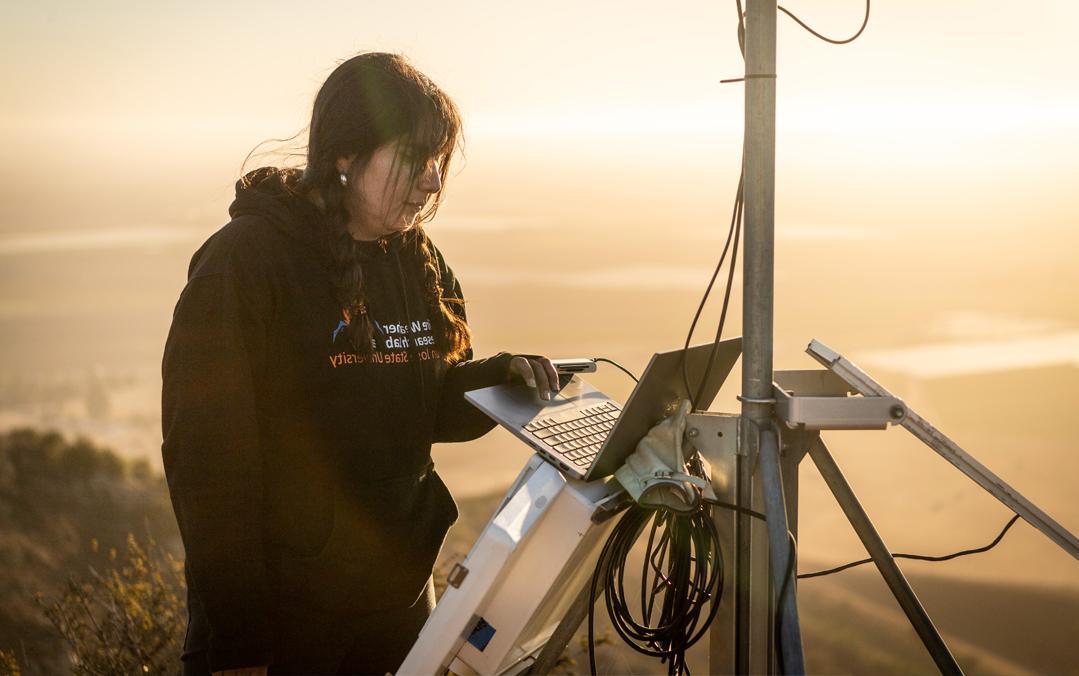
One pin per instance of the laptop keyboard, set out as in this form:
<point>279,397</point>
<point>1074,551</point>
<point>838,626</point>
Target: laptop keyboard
<point>577,435</point>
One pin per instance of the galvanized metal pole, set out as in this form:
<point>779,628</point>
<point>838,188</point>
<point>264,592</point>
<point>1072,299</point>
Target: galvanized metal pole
<point>757,281</point>
<point>759,193</point>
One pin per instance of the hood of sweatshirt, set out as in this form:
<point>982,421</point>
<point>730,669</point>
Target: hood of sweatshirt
<point>272,193</point>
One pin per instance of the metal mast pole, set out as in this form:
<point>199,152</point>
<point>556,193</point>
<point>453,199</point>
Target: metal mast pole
<point>757,284</point>
<point>759,191</point>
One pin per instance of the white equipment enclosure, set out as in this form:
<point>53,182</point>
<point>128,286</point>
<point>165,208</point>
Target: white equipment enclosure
<point>505,600</point>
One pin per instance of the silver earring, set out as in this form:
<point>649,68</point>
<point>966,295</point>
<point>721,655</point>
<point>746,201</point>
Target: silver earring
<point>344,178</point>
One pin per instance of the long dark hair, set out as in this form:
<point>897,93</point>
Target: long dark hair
<point>368,101</point>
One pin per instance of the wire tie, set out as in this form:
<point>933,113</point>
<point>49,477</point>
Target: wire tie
<point>757,400</point>
<point>750,76</point>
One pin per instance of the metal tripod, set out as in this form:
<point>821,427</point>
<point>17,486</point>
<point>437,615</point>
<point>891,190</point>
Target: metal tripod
<point>742,638</point>
<point>807,402</point>
<point>755,456</point>
<point>782,415</point>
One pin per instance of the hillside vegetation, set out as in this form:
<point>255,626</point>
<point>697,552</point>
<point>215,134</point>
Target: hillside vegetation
<point>66,510</point>
<point>84,533</point>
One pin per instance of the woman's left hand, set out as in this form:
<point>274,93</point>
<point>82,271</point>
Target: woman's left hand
<point>537,372</point>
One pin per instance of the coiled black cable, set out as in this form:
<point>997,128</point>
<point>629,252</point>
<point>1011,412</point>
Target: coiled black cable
<point>686,565</point>
<point>682,571</point>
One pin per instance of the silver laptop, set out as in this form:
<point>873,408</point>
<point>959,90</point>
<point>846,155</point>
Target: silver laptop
<point>588,434</point>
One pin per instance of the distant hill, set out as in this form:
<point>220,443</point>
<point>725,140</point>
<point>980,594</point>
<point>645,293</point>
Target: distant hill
<point>56,496</point>
<point>851,624</point>
<point>991,628</point>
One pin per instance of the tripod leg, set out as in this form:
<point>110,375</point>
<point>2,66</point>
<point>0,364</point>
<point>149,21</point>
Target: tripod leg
<point>780,555</point>
<point>901,589</point>
<point>793,446</point>
<point>563,633</point>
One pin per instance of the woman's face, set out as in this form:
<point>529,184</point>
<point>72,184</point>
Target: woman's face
<point>382,200</point>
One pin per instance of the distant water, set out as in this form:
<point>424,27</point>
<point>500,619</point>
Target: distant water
<point>604,278</point>
<point>101,240</point>
<point>970,357</point>
<point>964,332</point>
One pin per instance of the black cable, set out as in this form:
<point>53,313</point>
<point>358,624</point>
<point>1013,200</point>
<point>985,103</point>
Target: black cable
<point>685,560</point>
<point>742,28</point>
<point>736,508</point>
<point>732,236</point>
<point>852,38</point>
<point>682,570</point>
<point>919,557</point>
<point>792,557</point>
<point>739,203</point>
<point>617,365</point>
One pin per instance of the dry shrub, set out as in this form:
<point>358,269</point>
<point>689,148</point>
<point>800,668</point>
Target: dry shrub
<point>128,618</point>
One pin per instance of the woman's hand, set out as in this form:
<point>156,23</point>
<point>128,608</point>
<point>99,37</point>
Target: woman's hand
<point>248,671</point>
<point>536,372</point>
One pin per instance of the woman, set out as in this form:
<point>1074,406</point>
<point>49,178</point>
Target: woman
<point>318,350</point>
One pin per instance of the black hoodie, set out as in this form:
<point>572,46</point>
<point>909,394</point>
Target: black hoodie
<point>299,470</point>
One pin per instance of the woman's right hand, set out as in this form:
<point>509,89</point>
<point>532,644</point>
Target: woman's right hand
<point>244,671</point>
<point>536,372</point>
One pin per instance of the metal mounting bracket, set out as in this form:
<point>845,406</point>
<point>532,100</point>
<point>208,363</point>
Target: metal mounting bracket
<point>818,400</point>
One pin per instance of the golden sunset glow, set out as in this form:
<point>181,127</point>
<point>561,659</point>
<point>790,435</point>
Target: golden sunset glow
<point>926,213</point>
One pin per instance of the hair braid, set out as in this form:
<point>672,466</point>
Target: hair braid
<point>454,336</point>
<point>348,277</point>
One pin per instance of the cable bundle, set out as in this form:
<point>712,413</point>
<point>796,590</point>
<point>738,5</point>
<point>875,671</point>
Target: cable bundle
<point>681,572</point>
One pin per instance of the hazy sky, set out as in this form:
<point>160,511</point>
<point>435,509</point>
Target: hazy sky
<point>117,111</point>
<point>926,191</point>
